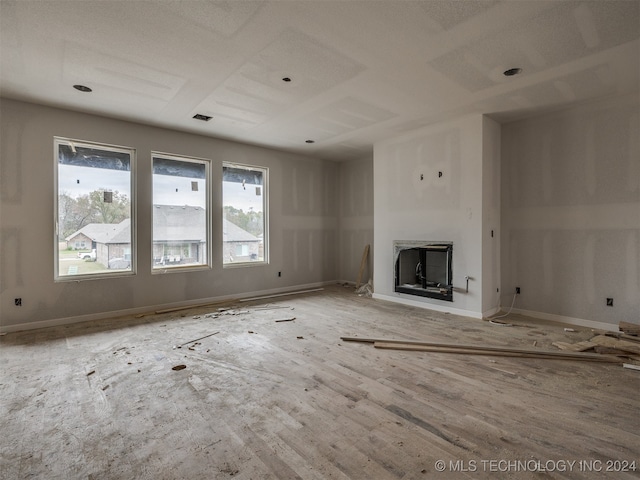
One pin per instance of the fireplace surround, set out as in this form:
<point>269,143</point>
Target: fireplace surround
<point>424,269</point>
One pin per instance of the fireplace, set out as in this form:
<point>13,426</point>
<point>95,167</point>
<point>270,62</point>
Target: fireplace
<point>424,269</point>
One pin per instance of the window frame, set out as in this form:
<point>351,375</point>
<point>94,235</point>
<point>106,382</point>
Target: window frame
<point>208,179</point>
<point>73,143</point>
<point>265,216</point>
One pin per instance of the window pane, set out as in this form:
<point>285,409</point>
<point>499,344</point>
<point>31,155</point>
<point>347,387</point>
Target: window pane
<point>244,219</point>
<point>93,209</point>
<point>180,230</point>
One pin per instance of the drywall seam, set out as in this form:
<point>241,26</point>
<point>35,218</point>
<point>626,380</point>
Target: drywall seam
<point>56,322</point>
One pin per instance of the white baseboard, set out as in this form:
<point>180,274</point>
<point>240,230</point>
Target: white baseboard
<point>56,322</point>
<point>581,322</point>
<point>427,306</point>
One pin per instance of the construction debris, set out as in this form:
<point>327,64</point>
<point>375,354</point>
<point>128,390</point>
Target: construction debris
<point>629,328</point>
<point>281,294</point>
<point>192,341</point>
<point>179,367</point>
<point>500,324</point>
<point>481,350</point>
<point>272,307</point>
<point>365,290</point>
<point>619,344</point>
<point>631,366</point>
<point>177,309</point>
<point>575,347</point>
<point>286,320</point>
<point>363,264</point>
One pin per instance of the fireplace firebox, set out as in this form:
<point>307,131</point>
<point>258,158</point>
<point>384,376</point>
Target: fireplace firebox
<point>424,269</point>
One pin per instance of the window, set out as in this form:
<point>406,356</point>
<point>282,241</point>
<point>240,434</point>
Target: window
<point>180,212</point>
<point>244,200</point>
<point>94,211</point>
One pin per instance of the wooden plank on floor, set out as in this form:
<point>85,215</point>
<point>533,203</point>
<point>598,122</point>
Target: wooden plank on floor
<point>575,347</point>
<point>498,352</point>
<point>616,343</point>
<point>408,344</point>
<point>629,328</point>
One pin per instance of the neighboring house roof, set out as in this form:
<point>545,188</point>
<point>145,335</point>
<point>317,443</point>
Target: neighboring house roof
<point>171,223</point>
<point>233,233</point>
<point>106,232</point>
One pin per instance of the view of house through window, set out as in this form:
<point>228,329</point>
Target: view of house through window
<point>93,209</point>
<point>180,218</point>
<point>244,214</point>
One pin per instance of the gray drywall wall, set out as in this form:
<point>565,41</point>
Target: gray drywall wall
<point>356,219</point>
<point>571,211</point>
<point>303,219</point>
<point>414,202</point>
<point>491,220</point>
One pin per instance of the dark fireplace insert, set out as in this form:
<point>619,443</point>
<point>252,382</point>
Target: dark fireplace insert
<point>424,269</point>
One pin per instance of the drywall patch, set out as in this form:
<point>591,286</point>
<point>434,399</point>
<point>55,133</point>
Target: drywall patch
<point>450,14</point>
<point>480,64</point>
<point>417,184</point>
<point>632,268</point>
<point>11,242</point>
<point>11,152</point>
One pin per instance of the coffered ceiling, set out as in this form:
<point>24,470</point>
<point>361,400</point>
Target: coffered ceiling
<point>358,71</point>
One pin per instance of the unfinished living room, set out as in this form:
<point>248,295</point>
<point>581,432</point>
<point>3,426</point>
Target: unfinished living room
<point>308,239</point>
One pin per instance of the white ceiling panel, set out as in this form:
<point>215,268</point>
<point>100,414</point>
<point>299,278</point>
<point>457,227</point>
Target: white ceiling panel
<point>360,71</point>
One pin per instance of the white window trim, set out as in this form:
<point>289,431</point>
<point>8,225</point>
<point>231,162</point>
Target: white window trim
<point>208,181</point>
<point>265,206</point>
<point>57,141</point>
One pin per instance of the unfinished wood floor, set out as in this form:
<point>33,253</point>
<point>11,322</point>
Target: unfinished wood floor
<point>290,400</point>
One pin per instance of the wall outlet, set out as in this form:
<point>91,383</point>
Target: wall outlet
<point>609,302</point>
<point>517,290</point>
<point>18,302</point>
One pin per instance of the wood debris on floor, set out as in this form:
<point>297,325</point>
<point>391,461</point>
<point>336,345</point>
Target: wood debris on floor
<point>467,349</point>
<point>610,347</point>
<point>263,406</point>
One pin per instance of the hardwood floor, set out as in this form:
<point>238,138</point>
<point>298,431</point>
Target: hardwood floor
<point>100,400</point>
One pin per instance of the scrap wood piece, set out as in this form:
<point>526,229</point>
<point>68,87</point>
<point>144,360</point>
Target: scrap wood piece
<point>610,351</point>
<point>281,294</point>
<point>629,328</point>
<point>625,345</point>
<point>286,320</point>
<point>177,309</point>
<point>578,355</point>
<point>631,366</point>
<point>499,352</point>
<point>272,307</point>
<point>575,347</point>
<point>620,335</point>
<point>363,264</point>
<point>185,343</point>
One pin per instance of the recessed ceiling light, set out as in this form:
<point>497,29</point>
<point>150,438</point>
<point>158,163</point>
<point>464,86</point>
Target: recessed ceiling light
<point>309,141</point>
<point>286,79</point>
<point>512,71</point>
<point>204,118</point>
<point>82,88</point>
